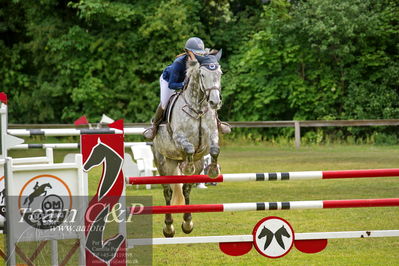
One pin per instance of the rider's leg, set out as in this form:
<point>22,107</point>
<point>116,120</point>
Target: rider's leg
<point>151,132</point>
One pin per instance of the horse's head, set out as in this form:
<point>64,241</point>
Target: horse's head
<point>210,78</point>
<point>205,74</point>
<point>265,232</point>
<point>283,231</point>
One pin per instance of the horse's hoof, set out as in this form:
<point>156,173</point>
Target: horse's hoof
<point>187,227</point>
<point>188,168</point>
<point>172,234</point>
<point>168,233</point>
<point>213,170</point>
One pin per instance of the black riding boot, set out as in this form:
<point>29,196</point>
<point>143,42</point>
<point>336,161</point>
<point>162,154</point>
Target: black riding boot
<point>151,132</point>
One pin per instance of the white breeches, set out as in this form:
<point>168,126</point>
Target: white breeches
<point>165,92</point>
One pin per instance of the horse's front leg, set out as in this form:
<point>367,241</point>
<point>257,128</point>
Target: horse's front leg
<point>213,169</point>
<point>168,167</point>
<point>187,167</point>
<point>168,229</point>
<point>187,225</point>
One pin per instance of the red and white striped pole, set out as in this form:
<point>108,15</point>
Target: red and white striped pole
<point>261,206</point>
<point>305,175</point>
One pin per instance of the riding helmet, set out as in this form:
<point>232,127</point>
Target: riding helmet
<point>195,45</point>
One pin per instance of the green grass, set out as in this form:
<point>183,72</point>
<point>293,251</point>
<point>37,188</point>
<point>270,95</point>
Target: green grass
<point>267,158</point>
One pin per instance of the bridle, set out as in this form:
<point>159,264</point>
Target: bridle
<point>210,67</point>
<point>195,113</point>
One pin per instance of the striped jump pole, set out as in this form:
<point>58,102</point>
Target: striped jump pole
<point>61,132</point>
<point>262,206</point>
<point>265,176</point>
<point>66,145</point>
<point>71,131</point>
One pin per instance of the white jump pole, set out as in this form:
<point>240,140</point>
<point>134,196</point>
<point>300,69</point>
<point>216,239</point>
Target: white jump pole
<point>249,238</point>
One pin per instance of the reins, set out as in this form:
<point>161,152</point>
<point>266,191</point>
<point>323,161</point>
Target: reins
<point>198,113</point>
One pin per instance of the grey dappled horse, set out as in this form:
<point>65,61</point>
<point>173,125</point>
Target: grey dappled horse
<point>193,133</point>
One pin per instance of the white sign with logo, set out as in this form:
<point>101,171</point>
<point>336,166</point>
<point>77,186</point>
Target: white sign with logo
<point>45,197</point>
<point>273,237</point>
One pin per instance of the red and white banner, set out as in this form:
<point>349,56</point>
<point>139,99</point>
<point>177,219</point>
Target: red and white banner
<point>106,150</point>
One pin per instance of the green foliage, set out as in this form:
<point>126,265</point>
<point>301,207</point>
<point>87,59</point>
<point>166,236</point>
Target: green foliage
<point>318,59</point>
<point>92,57</point>
<point>385,139</point>
<point>283,60</point>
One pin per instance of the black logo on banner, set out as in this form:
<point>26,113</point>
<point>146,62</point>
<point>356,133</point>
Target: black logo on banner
<point>112,166</point>
<point>41,204</point>
<point>2,196</point>
<point>104,250</point>
<point>37,192</point>
<point>270,235</point>
<point>2,199</point>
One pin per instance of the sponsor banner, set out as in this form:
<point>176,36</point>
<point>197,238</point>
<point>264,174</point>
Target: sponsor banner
<point>105,151</point>
<point>53,217</point>
<point>39,201</point>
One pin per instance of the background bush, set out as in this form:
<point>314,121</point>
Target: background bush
<point>283,60</point>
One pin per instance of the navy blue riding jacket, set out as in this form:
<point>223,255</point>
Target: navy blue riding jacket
<point>175,73</point>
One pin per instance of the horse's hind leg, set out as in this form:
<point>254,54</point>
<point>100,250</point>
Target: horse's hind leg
<point>187,226</point>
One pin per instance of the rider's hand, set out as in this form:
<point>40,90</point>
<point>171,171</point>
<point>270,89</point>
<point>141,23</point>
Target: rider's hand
<point>191,55</point>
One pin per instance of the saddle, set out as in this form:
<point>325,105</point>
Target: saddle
<point>167,116</point>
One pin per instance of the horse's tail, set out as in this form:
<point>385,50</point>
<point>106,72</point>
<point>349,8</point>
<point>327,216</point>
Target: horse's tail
<point>177,194</point>
<point>26,200</point>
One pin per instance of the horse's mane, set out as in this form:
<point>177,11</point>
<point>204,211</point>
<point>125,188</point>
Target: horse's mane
<point>192,71</point>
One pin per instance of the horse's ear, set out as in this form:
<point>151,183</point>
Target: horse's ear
<point>219,55</point>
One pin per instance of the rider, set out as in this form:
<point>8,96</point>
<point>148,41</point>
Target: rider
<point>173,79</point>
